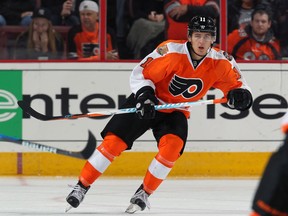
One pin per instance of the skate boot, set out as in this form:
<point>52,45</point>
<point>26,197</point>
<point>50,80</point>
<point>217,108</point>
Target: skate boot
<point>76,196</point>
<point>139,201</point>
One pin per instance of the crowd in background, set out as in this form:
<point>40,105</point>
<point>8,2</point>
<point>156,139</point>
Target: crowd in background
<point>257,29</point>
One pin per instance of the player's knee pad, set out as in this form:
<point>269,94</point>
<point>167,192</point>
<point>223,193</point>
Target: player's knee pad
<point>112,146</point>
<point>170,147</point>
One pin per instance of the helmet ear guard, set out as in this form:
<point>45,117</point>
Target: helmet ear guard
<point>202,24</point>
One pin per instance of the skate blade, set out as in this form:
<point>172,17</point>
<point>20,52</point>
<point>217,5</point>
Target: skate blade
<point>132,208</point>
<point>68,208</point>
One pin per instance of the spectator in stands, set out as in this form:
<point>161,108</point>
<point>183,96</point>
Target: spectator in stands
<point>83,40</point>
<point>239,13</point>
<point>40,41</point>
<point>122,21</point>
<point>148,27</point>
<point>179,12</point>
<point>63,12</point>
<point>17,12</point>
<point>122,28</point>
<point>280,11</point>
<point>256,41</point>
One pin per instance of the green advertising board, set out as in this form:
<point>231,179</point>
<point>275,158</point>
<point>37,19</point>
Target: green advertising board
<point>10,93</point>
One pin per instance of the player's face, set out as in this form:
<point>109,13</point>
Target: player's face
<point>201,42</point>
<point>260,24</point>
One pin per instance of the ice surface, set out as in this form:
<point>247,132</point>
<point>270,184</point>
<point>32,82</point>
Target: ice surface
<point>110,196</point>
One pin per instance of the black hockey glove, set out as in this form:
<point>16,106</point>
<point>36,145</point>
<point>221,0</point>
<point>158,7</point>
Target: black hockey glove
<point>239,99</point>
<point>145,101</point>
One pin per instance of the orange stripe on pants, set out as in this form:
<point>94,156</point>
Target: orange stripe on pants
<point>170,147</point>
<point>111,147</point>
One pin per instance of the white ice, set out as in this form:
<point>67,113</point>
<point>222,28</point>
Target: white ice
<point>110,196</point>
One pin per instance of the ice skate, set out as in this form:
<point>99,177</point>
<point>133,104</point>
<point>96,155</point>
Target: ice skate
<point>139,201</point>
<point>76,196</point>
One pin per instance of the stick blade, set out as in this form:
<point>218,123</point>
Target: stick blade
<point>32,112</point>
<point>90,147</point>
<point>28,109</point>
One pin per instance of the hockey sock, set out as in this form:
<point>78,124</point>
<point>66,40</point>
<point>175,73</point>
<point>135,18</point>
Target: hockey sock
<point>111,147</point>
<point>170,147</point>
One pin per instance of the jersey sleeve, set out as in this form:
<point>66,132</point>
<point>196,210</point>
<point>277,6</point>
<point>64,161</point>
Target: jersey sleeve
<point>153,68</point>
<point>231,76</point>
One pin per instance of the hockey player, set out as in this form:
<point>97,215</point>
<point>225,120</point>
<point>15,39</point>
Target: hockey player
<point>176,71</point>
<point>271,197</point>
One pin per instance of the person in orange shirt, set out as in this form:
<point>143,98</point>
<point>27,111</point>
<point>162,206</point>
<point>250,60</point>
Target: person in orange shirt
<point>83,40</point>
<point>179,12</point>
<point>239,12</point>
<point>256,41</point>
<point>176,71</point>
<point>271,197</point>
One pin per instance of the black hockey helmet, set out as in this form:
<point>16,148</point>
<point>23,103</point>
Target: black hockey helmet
<point>202,24</point>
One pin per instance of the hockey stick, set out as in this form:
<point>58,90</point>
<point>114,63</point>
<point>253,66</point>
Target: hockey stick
<point>28,109</point>
<point>84,154</point>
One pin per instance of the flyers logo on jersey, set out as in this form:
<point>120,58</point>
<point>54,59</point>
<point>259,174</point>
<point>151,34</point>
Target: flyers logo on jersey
<point>188,88</point>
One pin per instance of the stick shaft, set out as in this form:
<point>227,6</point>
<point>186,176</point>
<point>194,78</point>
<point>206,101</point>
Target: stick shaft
<point>29,144</point>
<point>157,107</point>
<point>84,154</point>
<point>190,104</point>
<point>28,109</point>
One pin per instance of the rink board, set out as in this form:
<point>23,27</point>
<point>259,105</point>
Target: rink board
<point>200,164</point>
<point>221,142</point>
